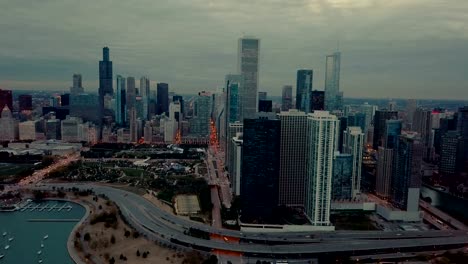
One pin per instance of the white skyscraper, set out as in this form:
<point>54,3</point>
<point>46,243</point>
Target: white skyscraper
<point>293,157</point>
<point>353,144</point>
<point>69,129</point>
<point>321,136</point>
<point>27,130</point>
<point>248,67</point>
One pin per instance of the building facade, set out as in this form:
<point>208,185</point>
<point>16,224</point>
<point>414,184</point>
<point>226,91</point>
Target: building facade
<point>249,49</point>
<point>332,82</point>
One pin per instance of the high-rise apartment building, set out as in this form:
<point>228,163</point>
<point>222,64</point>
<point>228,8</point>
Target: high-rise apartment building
<point>293,157</point>
<point>451,151</point>
<point>236,164</point>
<point>200,122</point>
<point>260,167</point>
<point>162,106</point>
<point>304,90</point>
<point>342,176</point>
<point>77,87</point>
<point>286,99</point>
<point>332,82</point>
<point>322,130</point>
<point>232,130</point>
<point>353,144</point>
<point>248,55</point>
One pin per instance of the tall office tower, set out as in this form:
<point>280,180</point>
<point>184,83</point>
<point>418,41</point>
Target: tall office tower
<point>391,136</point>
<point>422,123</point>
<point>392,105</point>
<point>342,129</point>
<point>322,128</point>
<point>304,90</point>
<point>342,187</point>
<point>262,95</point>
<point>332,81</point>
<point>105,80</point>
<point>286,99</point>
<point>446,124</point>
<point>180,99</point>
<point>317,101</point>
<point>406,180</point>
<point>411,105</point>
<point>380,117</point>
<point>65,100</point>
<point>69,129</point>
<point>260,167</point>
<point>293,157</point>
<point>131,94</point>
<point>133,125</point>
<point>265,106</point>
<point>120,99</point>
<point>25,102</point>
<point>148,132</point>
<point>450,153</point>
<point>6,98</point>
<point>369,111</point>
<point>53,129</point>
<point>27,130</point>
<point>462,127</point>
<point>235,172</point>
<point>139,107</point>
<point>233,97</point>
<point>172,123</point>
<point>77,87</point>
<point>357,119</point>
<point>353,144</point>
<point>249,49</point>
<point>200,123</point>
<point>8,125</point>
<point>85,106</point>
<point>145,95</point>
<point>163,99</point>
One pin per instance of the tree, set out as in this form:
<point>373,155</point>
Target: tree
<point>77,234</point>
<point>138,253</point>
<point>112,260</point>
<point>112,239</point>
<point>127,233</point>
<point>87,237</point>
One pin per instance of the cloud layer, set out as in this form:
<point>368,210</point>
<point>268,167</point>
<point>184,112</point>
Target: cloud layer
<point>398,48</point>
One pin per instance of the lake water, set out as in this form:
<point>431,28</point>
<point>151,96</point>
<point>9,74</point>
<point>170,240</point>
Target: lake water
<point>29,235</point>
<point>455,206</point>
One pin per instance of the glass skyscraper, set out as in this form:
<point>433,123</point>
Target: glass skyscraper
<point>332,82</point>
<point>303,90</point>
<point>248,68</point>
<point>105,81</point>
<point>342,175</point>
<point>120,112</point>
<point>163,99</point>
<point>286,99</point>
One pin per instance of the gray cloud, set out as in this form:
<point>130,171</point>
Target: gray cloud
<point>398,48</point>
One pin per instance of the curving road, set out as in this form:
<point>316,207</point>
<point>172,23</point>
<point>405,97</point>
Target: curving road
<point>160,225</point>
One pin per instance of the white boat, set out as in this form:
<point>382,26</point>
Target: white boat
<point>46,236</point>
<point>40,261</point>
<point>4,233</point>
<point>39,252</point>
<point>42,245</point>
<point>1,256</point>
<point>7,246</point>
<point>11,239</point>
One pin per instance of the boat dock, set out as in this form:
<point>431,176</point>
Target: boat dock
<point>53,220</point>
<point>49,208</point>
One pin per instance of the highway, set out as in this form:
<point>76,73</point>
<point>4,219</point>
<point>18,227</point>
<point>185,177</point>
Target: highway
<point>157,224</point>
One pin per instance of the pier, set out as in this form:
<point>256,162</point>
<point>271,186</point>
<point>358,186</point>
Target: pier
<point>53,220</point>
<point>48,208</point>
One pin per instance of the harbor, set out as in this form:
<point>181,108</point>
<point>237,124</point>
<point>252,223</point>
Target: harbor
<point>38,232</point>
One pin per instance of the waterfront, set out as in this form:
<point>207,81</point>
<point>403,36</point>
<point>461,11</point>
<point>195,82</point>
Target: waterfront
<point>29,233</point>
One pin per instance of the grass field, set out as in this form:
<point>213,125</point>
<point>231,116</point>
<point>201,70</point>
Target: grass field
<point>131,172</point>
<point>7,169</point>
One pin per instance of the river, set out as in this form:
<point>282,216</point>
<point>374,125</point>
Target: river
<point>455,206</point>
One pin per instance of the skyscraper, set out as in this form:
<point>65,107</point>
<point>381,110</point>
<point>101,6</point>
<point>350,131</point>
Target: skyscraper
<point>332,82</point>
<point>317,101</point>
<point>303,90</point>
<point>369,111</point>
<point>286,99</point>
<point>265,106</point>
<point>6,98</point>
<point>462,128</point>
<point>353,144</point>
<point>322,129</point>
<point>120,99</point>
<point>450,154</point>
<point>163,99</point>
<point>406,180</point>
<point>422,123</point>
<point>342,176</point>
<point>133,125</point>
<point>411,106</point>
<point>8,125</point>
<point>233,97</point>
<point>77,87</point>
<point>260,167</point>
<point>200,123</point>
<point>293,157</point>
<point>262,95</point>
<point>380,118</point>
<point>131,94</point>
<point>105,79</point>
<point>248,67</point>
<point>25,102</point>
<point>145,95</point>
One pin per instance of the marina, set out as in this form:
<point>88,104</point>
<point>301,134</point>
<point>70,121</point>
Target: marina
<point>28,234</point>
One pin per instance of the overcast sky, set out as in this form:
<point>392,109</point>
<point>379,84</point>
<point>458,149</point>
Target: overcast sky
<point>390,48</point>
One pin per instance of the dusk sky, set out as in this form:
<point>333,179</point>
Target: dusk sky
<point>390,48</point>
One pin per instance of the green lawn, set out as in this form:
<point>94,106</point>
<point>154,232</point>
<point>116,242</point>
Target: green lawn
<point>12,169</point>
<point>131,172</point>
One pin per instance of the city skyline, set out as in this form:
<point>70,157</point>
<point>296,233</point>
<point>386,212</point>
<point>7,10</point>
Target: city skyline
<point>411,62</point>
